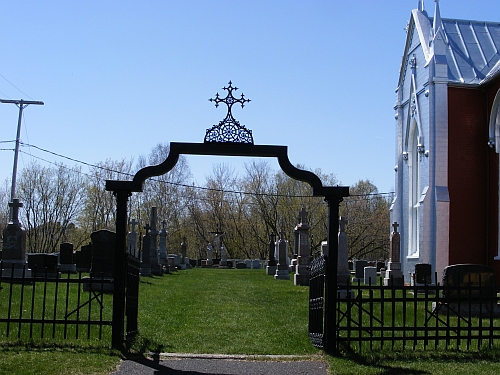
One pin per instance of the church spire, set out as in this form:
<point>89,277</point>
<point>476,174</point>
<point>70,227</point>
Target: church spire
<point>437,19</point>
<point>421,6</point>
<point>437,32</point>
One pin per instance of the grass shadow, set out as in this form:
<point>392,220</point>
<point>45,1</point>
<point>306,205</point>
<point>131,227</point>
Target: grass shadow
<point>387,362</point>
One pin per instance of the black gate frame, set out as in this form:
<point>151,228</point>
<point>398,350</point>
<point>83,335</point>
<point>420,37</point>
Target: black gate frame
<point>123,189</point>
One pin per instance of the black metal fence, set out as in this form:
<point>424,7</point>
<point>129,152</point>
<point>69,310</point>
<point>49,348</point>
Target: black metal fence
<point>418,317</point>
<point>316,300</point>
<point>54,305</point>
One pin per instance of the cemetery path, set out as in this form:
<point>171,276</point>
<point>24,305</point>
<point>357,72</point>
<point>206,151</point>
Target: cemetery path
<point>208,364</point>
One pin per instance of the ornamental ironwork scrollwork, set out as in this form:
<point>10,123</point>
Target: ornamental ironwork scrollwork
<point>229,129</point>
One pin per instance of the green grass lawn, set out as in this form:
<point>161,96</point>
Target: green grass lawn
<point>224,311</point>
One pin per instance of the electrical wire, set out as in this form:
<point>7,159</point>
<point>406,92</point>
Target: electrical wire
<point>364,196</point>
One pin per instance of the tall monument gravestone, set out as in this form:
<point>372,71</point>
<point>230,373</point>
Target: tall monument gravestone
<point>393,274</point>
<point>132,239</point>
<point>282,271</point>
<point>343,273</point>
<point>153,249</point>
<point>183,254</point>
<point>271,264</point>
<point>163,246</point>
<point>145,263</point>
<point>14,245</point>
<point>302,273</point>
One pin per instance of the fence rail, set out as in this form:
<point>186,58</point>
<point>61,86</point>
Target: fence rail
<point>56,305</point>
<point>423,316</point>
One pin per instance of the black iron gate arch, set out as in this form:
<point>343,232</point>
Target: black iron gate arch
<point>228,138</point>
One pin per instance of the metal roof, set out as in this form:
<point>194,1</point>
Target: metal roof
<point>473,50</point>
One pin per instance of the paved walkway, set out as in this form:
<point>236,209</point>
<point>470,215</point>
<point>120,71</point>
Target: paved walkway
<point>194,364</point>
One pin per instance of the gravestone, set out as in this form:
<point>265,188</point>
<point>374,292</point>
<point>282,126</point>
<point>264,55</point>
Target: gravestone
<point>469,290</point>
<point>393,274</point>
<point>248,263</point>
<point>163,255</point>
<point>223,256</point>
<point>174,262</point>
<point>240,265</point>
<point>324,248</point>
<point>343,273</point>
<point>156,269</point>
<point>370,275</point>
<point>103,253</point>
<point>256,264</point>
<point>14,245</point>
<point>423,274</point>
<point>359,268</point>
<point>132,239</point>
<point>163,243</point>
<point>271,264</point>
<point>282,271</point>
<point>380,266</point>
<point>44,265</point>
<point>67,258</point>
<point>302,272</point>
<point>182,264</point>
<point>84,258</point>
<point>145,263</point>
<point>460,276</point>
<point>209,261</point>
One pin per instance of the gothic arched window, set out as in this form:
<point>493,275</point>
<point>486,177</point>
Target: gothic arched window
<point>414,192</point>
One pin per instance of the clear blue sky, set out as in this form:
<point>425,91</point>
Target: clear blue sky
<point>117,77</point>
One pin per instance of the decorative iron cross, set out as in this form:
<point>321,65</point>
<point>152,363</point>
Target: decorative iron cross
<point>229,99</point>
<point>229,130</point>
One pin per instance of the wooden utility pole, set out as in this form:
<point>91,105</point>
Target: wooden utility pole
<point>21,105</point>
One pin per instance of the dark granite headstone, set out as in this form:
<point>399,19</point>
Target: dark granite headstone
<point>360,269</point>
<point>66,253</point>
<point>423,274</point>
<point>380,265</point>
<point>41,263</point>
<point>103,253</point>
<point>457,278</point>
<point>14,236</point>
<point>84,258</point>
<point>14,243</point>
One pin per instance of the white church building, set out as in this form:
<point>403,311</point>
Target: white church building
<point>447,142</point>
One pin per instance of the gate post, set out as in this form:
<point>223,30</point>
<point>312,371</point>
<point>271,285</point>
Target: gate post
<point>120,269</point>
<point>330,330</point>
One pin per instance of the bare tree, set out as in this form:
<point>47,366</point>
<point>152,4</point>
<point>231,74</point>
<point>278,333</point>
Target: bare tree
<point>100,205</point>
<point>166,192</point>
<point>369,221</point>
<point>53,198</point>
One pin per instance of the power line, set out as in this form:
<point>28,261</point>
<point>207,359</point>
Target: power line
<point>365,196</point>
<point>17,88</point>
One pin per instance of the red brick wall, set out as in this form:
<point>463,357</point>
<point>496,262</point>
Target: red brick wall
<point>468,172</point>
<point>490,92</point>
